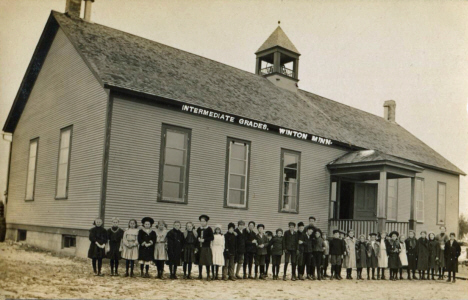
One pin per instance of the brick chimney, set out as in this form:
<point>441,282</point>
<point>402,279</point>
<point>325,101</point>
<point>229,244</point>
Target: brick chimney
<point>73,8</point>
<point>389,110</point>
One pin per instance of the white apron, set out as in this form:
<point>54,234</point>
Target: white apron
<point>217,249</point>
<point>403,257</point>
<point>383,258</point>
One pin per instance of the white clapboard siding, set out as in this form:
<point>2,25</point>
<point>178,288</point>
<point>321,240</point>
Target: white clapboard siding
<point>134,169</point>
<point>65,93</point>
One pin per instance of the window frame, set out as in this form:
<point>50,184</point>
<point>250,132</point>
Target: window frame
<point>64,237</point>
<point>69,127</point>
<point>162,160</point>
<point>396,201</point>
<point>227,173</point>
<point>423,199</point>
<point>281,183</point>
<point>439,183</point>
<point>36,140</point>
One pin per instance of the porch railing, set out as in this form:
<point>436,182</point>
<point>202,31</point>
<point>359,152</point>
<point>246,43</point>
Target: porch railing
<point>360,226</point>
<point>367,226</point>
<point>401,227</point>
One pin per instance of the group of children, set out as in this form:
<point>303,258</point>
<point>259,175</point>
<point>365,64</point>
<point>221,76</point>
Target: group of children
<point>307,249</point>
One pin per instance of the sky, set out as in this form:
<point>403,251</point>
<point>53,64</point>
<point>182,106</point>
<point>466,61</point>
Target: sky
<point>359,53</point>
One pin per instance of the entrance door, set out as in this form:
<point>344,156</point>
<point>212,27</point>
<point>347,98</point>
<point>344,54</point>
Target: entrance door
<point>365,201</point>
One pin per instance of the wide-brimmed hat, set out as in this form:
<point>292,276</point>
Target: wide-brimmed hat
<point>204,217</point>
<point>260,225</point>
<point>147,219</point>
<point>231,225</point>
<point>373,233</point>
<point>394,232</point>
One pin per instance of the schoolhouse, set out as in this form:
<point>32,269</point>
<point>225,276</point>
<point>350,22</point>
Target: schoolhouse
<point>109,124</point>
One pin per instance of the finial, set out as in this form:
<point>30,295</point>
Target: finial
<point>279,22</point>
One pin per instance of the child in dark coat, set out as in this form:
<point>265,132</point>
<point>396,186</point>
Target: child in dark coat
<point>308,252</point>
<point>98,239</point>
<point>262,244</point>
<point>361,256</point>
<point>269,235</point>
<point>434,249</point>
<point>452,252</point>
<point>276,245</point>
<point>423,256</point>
<point>301,256</point>
<point>230,250</point>
<point>240,236</point>
<point>336,252</point>
<point>205,236</point>
<point>175,245</point>
<point>190,244</point>
<point>250,248</point>
<point>115,235</point>
<point>373,251</point>
<point>326,254</point>
<point>146,240</point>
<point>412,253</point>
<point>317,253</point>
<point>290,250</point>
<point>393,251</point>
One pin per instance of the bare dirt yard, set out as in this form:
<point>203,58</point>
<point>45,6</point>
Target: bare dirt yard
<point>26,272</point>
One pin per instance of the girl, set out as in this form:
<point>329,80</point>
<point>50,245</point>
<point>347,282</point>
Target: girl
<point>276,252</point>
<point>373,252</point>
<point>130,246</point>
<point>217,248</point>
<point>115,235</point>
<point>262,243</point>
<point>326,255</point>
<point>411,244</point>
<point>383,257</point>
<point>393,250</point>
<point>205,236</point>
<point>442,238</point>
<point>350,257</point>
<point>452,252</point>
<point>361,256</point>
<point>98,239</point>
<point>403,257</point>
<point>146,240</point>
<point>160,250</point>
<point>423,255</point>
<point>434,249</point>
<point>190,240</point>
<point>175,244</point>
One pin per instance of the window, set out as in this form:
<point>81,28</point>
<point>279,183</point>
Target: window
<point>174,164</point>
<point>32,164</point>
<point>392,199</point>
<point>289,195</point>
<point>419,195</point>
<point>237,173</point>
<point>21,235</point>
<point>441,190</point>
<point>333,195</point>
<point>63,165</point>
<point>68,241</point>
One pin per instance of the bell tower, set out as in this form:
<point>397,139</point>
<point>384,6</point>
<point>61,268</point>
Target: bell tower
<point>278,60</point>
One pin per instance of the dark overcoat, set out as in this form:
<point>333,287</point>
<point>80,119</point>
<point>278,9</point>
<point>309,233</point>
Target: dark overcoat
<point>452,252</point>
<point>175,245</point>
<point>230,244</point>
<point>276,244</point>
<point>393,251</point>
<point>146,253</point>
<point>361,254</point>
<point>250,236</point>
<point>373,255</point>
<point>290,241</point>
<point>412,253</point>
<point>97,234</point>
<point>434,250</point>
<point>262,240</point>
<point>240,244</point>
<point>115,237</point>
<point>423,254</point>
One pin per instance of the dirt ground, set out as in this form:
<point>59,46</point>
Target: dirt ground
<point>26,272</point>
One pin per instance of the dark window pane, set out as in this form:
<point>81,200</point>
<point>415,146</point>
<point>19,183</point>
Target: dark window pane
<point>238,151</point>
<point>236,197</point>
<point>175,157</point>
<point>290,175</point>
<point>172,173</point>
<point>237,166</point>
<point>237,182</point>
<point>175,139</point>
<point>172,190</point>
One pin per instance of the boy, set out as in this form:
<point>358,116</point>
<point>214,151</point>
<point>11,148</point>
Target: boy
<point>308,253</point>
<point>373,250</point>
<point>336,252</point>
<point>452,252</point>
<point>342,238</point>
<point>301,246</point>
<point>230,250</point>
<point>240,243</point>
<point>276,252</point>
<point>326,254</point>
<point>175,245</point>
<point>262,244</point>
<point>290,248</point>
<point>317,250</point>
<point>205,236</point>
<point>250,248</point>
<point>269,235</point>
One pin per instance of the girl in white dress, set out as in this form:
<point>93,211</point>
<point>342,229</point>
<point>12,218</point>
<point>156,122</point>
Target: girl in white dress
<point>160,250</point>
<point>130,246</point>
<point>403,257</point>
<point>217,248</point>
<point>383,257</point>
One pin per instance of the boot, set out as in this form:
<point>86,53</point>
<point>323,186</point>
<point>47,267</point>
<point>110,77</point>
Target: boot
<point>351,274</point>
<point>131,273</point>
<point>126,274</point>
<point>238,268</point>
<point>284,277</point>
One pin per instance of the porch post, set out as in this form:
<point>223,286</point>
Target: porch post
<point>412,219</point>
<point>382,201</point>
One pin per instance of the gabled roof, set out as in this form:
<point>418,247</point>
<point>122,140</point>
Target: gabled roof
<point>278,38</point>
<point>124,61</point>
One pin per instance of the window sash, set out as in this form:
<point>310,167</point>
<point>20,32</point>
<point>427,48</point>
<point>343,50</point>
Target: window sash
<point>31,171</point>
<point>174,164</point>
<point>230,191</point>
<point>392,199</point>
<point>289,198</point>
<point>63,163</point>
<point>419,194</point>
<point>441,201</point>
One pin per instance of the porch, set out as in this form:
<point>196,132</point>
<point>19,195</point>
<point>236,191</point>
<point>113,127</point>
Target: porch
<point>360,193</point>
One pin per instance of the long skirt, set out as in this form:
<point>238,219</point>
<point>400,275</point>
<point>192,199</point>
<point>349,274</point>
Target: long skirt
<point>441,259</point>
<point>189,253</point>
<point>394,261</point>
<point>372,261</point>
<point>160,252</point>
<point>412,261</point>
<point>205,257</point>
<point>114,252</point>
